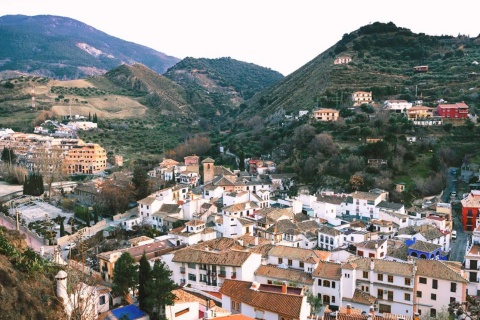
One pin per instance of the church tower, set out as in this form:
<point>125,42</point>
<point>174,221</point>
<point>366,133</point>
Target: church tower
<point>208,171</point>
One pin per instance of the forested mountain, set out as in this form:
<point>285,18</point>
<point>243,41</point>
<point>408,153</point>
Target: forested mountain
<point>383,57</point>
<point>218,86</point>
<point>64,48</point>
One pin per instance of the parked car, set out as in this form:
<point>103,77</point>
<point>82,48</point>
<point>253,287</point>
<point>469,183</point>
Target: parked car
<point>70,246</point>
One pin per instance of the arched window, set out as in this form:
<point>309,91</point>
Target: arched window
<point>326,283</point>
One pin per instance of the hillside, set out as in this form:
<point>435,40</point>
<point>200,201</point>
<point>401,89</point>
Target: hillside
<point>64,48</point>
<point>27,288</point>
<point>216,87</point>
<point>383,57</point>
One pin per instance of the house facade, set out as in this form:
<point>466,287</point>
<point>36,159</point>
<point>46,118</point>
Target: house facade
<point>456,110</point>
<point>361,97</point>
<point>326,114</point>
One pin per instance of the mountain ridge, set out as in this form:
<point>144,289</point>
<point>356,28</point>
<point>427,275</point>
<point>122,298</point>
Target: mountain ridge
<point>65,48</point>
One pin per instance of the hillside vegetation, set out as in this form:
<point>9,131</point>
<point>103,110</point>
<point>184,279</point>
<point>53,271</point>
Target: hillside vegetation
<point>216,87</point>
<point>383,57</point>
<point>27,289</point>
<point>64,48</point>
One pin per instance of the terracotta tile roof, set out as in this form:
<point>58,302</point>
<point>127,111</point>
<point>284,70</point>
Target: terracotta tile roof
<point>224,258</point>
<point>424,246</point>
<point>383,223</point>
<point>282,226</point>
<point>371,244</point>
<point>263,249</point>
<point>147,201</point>
<point>306,255</point>
<point>363,297</point>
<point>218,244</point>
<point>364,195</point>
<point>271,215</point>
<point>308,225</point>
<point>381,266</point>
<point>138,250</point>
<point>331,199</point>
<point>397,249</point>
<point>286,305</point>
<point>290,275</point>
<point>222,171</point>
<point>440,270</point>
<point>245,222</point>
<point>329,231</point>
<point>328,270</point>
<point>170,208</point>
<point>429,232</point>
<point>474,250</point>
<point>182,296</point>
<point>241,206</point>
<point>195,222</point>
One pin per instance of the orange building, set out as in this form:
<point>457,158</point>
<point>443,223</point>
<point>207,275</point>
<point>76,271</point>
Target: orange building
<point>85,159</point>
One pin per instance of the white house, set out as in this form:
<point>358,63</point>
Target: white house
<point>361,204</point>
<point>397,106</point>
<point>328,283</point>
<point>206,265</point>
<point>438,283</point>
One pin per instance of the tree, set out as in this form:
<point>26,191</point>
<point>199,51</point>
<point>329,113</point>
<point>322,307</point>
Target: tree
<point>33,184</point>
<point>140,182</point>
<point>125,275</point>
<point>356,182</point>
<point>95,119</point>
<point>143,279</point>
<point>62,228</point>
<point>8,156</point>
<point>159,289</point>
<point>115,196</point>
<point>89,116</point>
<point>315,303</point>
<point>48,162</point>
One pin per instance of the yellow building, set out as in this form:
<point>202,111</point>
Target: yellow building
<point>326,114</point>
<point>419,112</point>
<point>361,97</point>
<point>85,159</point>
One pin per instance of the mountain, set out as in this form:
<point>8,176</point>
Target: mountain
<point>217,86</point>
<point>64,48</point>
<point>383,57</point>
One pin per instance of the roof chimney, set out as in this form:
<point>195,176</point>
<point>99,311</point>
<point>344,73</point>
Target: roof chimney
<point>284,287</point>
<point>349,308</point>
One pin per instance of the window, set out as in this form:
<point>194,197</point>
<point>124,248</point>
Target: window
<point>380,277</point>
<point>360,253</point>
<point>390,279</point>
<point>333,284</point>
<point>192,277</point>
<point>422,280</point>
<point>433,296</point>
<point>453,287</point>
<point>101,300</point>
<point>326,283</point>
<point>407,281</point>
<point>452,299</point>
<point>407,296</point>
<point>433,313</point>
<point>192,265</point>
<point>365,274</point>
<point>390,295</point>
<point>380,293</point>
<point>435,284</point>
<point>419,294</point>
<point>290,262</point>
<point>333,299</point>
<point>301,264</point>
<point>280,260</point>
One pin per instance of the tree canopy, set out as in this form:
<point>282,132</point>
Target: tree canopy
<point>125,275</point>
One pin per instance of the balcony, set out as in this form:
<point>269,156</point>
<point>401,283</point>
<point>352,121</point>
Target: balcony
<point>234,275</point>
<point>222,274</point>
<point>182,270</point>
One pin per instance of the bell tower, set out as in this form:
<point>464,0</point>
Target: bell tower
<point>208,171</point>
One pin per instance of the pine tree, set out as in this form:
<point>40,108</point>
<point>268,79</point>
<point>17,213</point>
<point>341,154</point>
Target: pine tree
<point>62,229</point>
<point>159,288</point>
<point>95,216</point>
<point>33,184</point>
<point>125,275</point>
<point>95,119</point>
<point>89,116</point>
<point>143,279</point>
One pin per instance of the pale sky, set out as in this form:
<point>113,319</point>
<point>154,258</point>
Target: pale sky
<point>277,34</point>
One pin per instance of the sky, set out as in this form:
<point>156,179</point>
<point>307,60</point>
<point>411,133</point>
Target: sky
<point>277,34</point>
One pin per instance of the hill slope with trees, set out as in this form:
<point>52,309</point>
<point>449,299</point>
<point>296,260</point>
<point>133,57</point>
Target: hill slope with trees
<point>64,48</point>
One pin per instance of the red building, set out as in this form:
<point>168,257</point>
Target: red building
<point>470,208</point>
<point>457,110</point>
